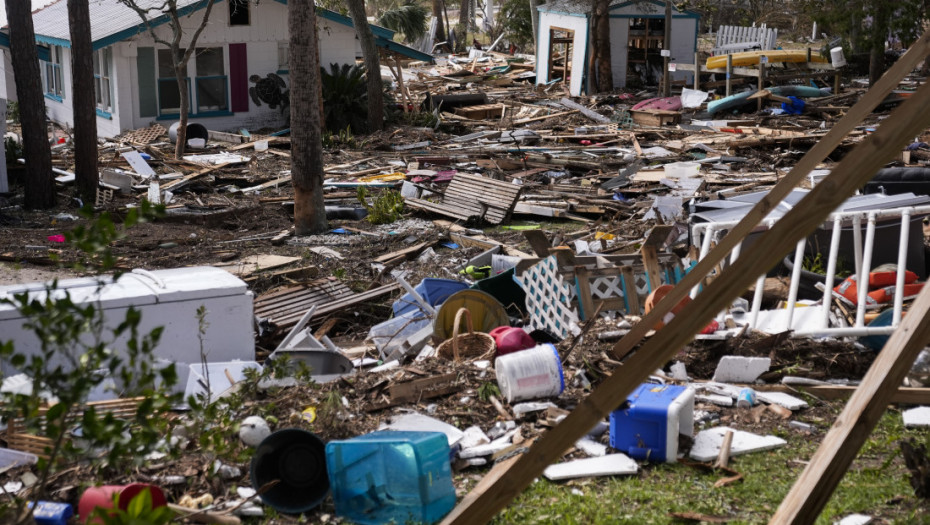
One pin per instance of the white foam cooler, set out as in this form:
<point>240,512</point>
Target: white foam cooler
<point>168,298</point>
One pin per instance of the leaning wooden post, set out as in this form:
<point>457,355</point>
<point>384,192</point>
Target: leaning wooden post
<point>729,72</point>
<point>813,489</point>
<point>855,169</point>
<point>821,149</point>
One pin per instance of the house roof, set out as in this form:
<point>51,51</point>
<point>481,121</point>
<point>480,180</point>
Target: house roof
<point>112,21</point>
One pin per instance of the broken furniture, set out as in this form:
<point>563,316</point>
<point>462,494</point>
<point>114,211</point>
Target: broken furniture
<point>868,229</point>
<point>165,298</point>
<point>472,196</point>
<point>324,359</point>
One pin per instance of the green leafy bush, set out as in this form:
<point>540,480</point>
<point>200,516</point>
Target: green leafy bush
<point>138,512</point>
<point>386,208</point>
<point>345,97</point>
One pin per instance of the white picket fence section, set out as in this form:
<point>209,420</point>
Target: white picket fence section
<point>734,39</point>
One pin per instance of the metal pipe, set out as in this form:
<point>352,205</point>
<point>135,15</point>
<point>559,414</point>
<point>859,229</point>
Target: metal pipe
<point>795,280</point>
<point>831,270</point>
<point>902,267</point>
<point>862,284</point>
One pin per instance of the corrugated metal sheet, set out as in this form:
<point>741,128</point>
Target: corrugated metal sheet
<point>107,18</point>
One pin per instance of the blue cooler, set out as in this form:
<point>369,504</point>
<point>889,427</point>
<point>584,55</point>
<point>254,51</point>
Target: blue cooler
<point>647,426</point>
<point>388,476</point>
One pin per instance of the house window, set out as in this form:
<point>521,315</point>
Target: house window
<point>102,86</point>
<point>238,12</point>
<point>52,74</point>
<point>211,81</point>
<point>169,98</point>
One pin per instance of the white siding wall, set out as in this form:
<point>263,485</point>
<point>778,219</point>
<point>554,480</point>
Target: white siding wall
<point>579,24</point>
<point>7,85</point>
<point>268,27</point>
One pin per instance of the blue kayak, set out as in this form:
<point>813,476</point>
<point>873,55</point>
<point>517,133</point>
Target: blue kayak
<point>737,100</point>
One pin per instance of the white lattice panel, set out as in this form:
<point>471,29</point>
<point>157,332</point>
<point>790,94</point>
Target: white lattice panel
<point>549,298</point>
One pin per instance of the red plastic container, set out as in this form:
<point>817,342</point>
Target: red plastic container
<point>103,497</point>
<point>511,339</point>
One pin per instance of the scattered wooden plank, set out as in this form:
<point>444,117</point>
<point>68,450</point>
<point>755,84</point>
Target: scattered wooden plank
<point>406,253</point>
<point>851,429</point>
<point>597,117</point>
<point>410,391</point>
<point>255,263</point>
<point>854,170</point>
<point>177,183</point>
<point>907,395</point>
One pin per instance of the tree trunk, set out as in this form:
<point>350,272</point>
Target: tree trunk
<point>372,64</point>
<point>440,27</point>
<point>306,139</point>
<point>180,72</point>
<point>85,113</point>
<point>879,36</point>
<point>534,21</point>
<point>40,183</point>
<point>603,72</point>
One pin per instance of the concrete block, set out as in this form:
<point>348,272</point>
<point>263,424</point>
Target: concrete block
<point>738,369</point>
<point>917,417</point>
<point>707,443</point>
<point>780,398</point>
<point>610,465</point>
<point>715,399</point>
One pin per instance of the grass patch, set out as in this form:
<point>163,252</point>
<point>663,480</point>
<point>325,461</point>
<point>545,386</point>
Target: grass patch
<point>876,484</point>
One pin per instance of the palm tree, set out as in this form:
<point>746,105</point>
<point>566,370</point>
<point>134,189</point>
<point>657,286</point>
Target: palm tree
<point>85,114</point>
<point>408,19</point>
<point>306,135</point>
<point>40,183</point>
<point>372,64</point>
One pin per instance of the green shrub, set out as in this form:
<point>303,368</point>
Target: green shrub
<point>386,208</point>
<point>345,97</point>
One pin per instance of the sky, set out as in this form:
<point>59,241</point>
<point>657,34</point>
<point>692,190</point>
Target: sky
<point>35,5</point>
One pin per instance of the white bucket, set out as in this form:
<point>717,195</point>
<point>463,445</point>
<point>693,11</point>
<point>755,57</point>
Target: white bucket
<point>261,145</point>
<point>837,58</point>
<point>530,374</point>
<point>682,170</point>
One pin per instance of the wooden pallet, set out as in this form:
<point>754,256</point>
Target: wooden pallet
<point>17,437</point>
<point>656,117</point>
<point>484,111</point>
<point>472,196</point>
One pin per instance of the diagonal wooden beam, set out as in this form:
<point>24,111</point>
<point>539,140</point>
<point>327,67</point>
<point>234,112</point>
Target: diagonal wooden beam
<point>821,149</point>
<point>813,489</point>
<point>855,170</point>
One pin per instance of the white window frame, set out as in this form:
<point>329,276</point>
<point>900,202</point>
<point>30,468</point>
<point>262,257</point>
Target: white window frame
<point>103,82</point>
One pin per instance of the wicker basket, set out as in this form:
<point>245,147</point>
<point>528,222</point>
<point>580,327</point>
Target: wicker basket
<point>472,345</point>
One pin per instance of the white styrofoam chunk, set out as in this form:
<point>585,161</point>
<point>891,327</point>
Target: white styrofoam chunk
<point>707,443</point>
<point>855,519</point>
<point>738,369</point>
<point>917,417</point>
<point>474,436</point>
<point>782,399</point>
<point>610,465</point>
<point>418,422</point>
<point>715,399</point>
<point>591,447</point>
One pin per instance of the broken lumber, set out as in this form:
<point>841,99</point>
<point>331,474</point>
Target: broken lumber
<point>175,184</point>
<point>852,172</point>
<point>597,117</point>
<point>841,445</point>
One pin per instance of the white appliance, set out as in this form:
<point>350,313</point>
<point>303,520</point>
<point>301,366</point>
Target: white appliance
<point>167,298</point>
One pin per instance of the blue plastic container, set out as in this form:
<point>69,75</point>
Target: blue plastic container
<point>647,426</point>
<point>387,476</point>
<point>435,291</point>
<point>51,513</point>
